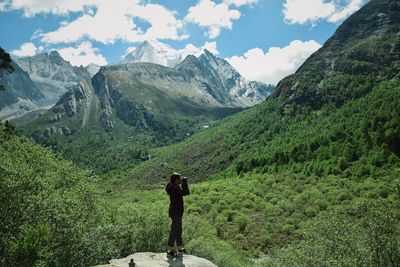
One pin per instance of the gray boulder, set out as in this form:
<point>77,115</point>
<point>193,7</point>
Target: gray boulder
<point>149,259</point>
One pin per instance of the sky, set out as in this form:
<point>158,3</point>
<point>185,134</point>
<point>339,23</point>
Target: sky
<point>264,40</point>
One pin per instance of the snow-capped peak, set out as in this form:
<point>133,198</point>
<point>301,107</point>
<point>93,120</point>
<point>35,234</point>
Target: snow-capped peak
<point>154,52</point>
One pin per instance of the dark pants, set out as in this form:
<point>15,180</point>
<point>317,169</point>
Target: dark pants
<point>175,233</point>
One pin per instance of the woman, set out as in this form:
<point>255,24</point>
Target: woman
<point>176,189</point>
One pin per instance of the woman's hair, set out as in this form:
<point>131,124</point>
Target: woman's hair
<point>175,176</point>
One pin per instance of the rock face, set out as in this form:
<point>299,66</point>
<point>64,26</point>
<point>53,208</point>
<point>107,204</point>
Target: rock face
<point>148,259</point>
<point>70,113</point>
<point>247,93</point>
<point>144,96</point>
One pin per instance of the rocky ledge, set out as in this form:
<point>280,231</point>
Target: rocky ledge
<point>149,259</point>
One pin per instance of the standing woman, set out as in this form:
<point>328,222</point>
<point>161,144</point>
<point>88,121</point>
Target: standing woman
<point>176,189</point>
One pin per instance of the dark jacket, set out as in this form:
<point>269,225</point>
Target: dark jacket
<point>176,193</point>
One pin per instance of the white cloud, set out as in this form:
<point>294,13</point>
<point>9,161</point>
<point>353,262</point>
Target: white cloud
<point>239,3</point>
<point>104,21</point>
<point>84,54</point>
<point>59,7</point>
<point>277,63</point>
<point>25,50</point>
<point>213,16</point>
<point>310,11</point>
<point>344,12</point>
<point>2,7</point>
<point>302,11</point>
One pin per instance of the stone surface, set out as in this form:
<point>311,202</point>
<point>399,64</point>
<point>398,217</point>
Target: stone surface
<point>149,259</point>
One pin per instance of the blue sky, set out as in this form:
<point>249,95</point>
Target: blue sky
<point>242,31</point>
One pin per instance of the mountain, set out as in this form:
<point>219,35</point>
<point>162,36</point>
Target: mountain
<point>52,74</point>
<point>248,92</point>
<point>22,94</point>
<point>36,85</point>
<point>145,105</point>
<point>125,109</point>
<point>154,52</point>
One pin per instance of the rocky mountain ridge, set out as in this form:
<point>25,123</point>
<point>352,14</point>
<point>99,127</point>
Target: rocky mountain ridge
<point>52,73</point>
<point>37,84</point>
<point>21,96</point>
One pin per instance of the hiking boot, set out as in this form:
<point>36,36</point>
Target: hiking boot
<point>171,254</point>
<point>182,251</point>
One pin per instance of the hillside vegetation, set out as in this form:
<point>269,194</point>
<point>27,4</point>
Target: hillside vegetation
<point>53,215</point>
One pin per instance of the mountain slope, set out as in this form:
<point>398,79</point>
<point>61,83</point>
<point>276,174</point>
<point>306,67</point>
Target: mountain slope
<point>46,201</point>
<point>145,105</point>
<point>364,51</point>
